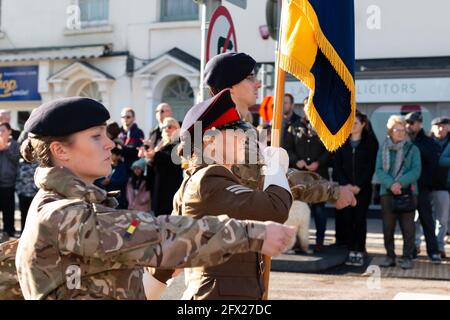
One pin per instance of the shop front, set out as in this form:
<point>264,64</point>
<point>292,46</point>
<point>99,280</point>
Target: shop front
<point>19,92</point>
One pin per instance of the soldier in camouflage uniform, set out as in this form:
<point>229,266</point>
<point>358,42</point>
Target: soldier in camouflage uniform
<point>77,246</point>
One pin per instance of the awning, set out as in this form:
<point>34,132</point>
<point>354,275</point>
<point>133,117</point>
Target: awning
<point>55,53</point>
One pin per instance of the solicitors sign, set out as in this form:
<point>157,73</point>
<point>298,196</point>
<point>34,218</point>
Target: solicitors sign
<point>389,90</point>
<point>19,83</point>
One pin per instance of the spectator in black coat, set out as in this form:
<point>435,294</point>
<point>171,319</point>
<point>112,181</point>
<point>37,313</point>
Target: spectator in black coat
<point>9,161</point>
<point>354,164</point>
<point>167,175</point>
<point>307,152</point>
<point>429,155</point>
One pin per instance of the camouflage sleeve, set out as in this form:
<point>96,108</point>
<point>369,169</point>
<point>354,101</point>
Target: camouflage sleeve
<point>310,187</point>
<point>139,239</point>
<point>9,283</point>
<point>305,186</point>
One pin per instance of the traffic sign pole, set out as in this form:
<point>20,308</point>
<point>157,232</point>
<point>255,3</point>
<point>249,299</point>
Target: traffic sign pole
<point>206,9</point>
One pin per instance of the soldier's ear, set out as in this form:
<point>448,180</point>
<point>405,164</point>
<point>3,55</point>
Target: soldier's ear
<point>59,151</point>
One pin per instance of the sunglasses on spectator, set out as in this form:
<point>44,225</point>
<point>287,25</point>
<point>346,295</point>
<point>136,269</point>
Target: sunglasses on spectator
<point>127,117</point>
<point>146,147</point>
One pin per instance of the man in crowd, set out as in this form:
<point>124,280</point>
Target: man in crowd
<point>163,110</point>
<point>131,137</point>
<point>440,194</point>
<point>429,155</point>
<point>289,116</point>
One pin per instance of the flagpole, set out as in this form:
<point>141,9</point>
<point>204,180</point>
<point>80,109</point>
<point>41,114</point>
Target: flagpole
<point>275,135</point>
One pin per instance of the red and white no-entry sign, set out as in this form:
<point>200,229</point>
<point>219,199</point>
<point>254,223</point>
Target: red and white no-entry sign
<point>221,34</point>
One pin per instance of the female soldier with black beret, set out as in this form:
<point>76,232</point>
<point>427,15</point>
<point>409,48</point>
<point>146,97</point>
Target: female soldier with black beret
<point>77,246</point>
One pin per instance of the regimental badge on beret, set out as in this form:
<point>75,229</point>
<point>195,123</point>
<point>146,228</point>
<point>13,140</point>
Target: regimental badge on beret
<point>65,116</point>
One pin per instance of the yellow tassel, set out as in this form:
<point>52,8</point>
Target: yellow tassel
<point>331,141</point>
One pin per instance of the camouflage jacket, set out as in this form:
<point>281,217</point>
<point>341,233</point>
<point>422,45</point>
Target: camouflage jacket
<point>9,285</point>
<point>214,189</point>
<point>305,186</point>
<point>75,246</point>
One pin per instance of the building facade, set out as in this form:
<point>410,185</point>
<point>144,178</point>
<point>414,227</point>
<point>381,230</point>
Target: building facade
<point>138,53</point>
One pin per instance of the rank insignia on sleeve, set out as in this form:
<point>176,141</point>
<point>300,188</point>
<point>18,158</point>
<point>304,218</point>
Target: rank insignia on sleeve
<point>131,229</point>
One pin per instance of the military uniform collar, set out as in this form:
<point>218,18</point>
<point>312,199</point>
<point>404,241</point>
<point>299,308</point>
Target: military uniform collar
<point>62,181</point>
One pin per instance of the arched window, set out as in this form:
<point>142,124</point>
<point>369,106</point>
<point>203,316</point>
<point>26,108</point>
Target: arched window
<point>179,94</point>
<point>91,90</point>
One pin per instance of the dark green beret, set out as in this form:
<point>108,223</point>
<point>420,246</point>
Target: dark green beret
<point>228,69</point>
<point>65,116</point>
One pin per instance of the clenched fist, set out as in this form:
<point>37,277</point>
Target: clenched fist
<point>278,238</point>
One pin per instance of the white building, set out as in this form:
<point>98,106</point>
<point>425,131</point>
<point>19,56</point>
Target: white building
<point>140,52</point>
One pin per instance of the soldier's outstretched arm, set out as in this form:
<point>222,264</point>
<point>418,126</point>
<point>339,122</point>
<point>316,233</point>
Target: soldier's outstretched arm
<point>139,239</point>
<point>312,188</point>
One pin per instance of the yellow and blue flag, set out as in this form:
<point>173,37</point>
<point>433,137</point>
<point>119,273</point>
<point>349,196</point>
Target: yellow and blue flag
<point>317,46</point>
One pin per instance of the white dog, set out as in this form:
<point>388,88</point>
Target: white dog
<point>299,217</point>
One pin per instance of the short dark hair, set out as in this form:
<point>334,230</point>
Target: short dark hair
<point>113,129</point>
<point>116,151</point>
<point>290,97</point>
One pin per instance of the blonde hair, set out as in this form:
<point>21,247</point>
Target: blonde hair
<point>392,121</point>
<point>169,121</point>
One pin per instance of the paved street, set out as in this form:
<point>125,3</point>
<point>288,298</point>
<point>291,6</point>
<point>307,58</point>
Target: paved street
<point>347,282</point>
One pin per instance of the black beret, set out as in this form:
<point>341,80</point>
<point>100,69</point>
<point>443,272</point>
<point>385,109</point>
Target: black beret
<point>440,120</point>
<point>228,69</point>
<point>65,116</point>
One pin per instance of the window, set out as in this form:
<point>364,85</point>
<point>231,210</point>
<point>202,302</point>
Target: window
<point>92,91</point>
<point>179,94</point>
<point>94,12</point>
<point>178,10</point>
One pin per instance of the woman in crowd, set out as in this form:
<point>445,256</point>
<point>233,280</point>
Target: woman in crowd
<point>167,174</point>
<point>354,164</point>
<point>398,168</point>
